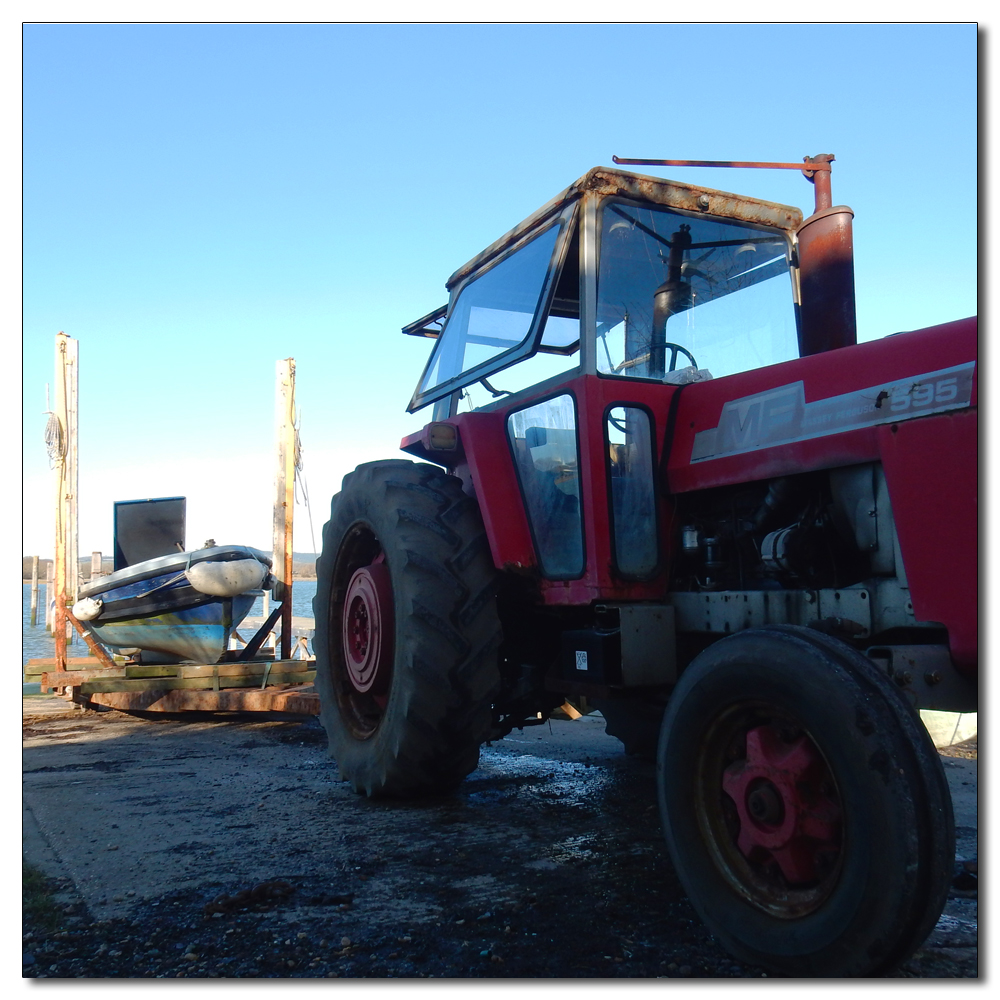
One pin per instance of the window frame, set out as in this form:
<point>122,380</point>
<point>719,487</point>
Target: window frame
<point>605,204</point>
<point>658,566</point>
<point>567,219</point>
<point>537,401</point>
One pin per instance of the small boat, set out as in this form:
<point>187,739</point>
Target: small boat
<point>176,608</point>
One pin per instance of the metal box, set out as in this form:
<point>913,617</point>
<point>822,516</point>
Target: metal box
<point>592,655</point>
<point>648,644</point>
<point>146,529</point>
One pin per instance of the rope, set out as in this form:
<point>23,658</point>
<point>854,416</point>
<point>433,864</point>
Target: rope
<point>300,477</point>
<point>55,442</point>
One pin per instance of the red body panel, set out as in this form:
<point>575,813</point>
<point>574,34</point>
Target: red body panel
<point>931,470</point>
<point>834,373</point>
<point>488,468</point>
<point>930,464</point>
<point>489,471</point>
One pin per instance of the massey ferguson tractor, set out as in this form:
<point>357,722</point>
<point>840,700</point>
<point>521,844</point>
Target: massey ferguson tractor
<point>662,476</point>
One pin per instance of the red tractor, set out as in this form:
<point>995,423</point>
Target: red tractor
<point>694,500</point>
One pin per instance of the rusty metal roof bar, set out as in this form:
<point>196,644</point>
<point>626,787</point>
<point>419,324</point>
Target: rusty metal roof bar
<point>805,165</point>
<point>810,166</point>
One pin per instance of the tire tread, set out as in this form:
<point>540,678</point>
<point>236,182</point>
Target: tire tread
<point>449,630</point>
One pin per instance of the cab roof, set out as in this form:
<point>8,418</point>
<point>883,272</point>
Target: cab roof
<point>609,182</point>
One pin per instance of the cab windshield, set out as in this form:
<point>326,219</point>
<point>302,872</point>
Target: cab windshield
<point>676,291</point>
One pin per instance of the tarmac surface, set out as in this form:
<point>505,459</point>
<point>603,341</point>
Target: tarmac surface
<point>547,861</point>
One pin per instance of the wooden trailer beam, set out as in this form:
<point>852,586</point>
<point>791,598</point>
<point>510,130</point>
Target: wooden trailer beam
<point>299,699</point>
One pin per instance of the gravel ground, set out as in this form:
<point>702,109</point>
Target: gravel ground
<point>548,862</point>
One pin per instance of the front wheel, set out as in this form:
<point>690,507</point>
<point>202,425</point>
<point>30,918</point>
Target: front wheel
<point>407,631</point>
<point>805,808</point>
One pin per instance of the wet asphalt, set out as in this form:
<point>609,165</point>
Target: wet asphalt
<point>547,861</point>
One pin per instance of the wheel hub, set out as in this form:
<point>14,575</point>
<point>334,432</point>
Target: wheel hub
<point>766,805</point>
<point>368,629</point>
<point>788,815</point>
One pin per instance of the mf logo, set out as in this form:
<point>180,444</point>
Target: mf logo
<point>781,415</point>
<point>761,420</point>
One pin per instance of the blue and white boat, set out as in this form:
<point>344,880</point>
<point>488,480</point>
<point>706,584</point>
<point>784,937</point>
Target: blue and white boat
<point>176,608</point>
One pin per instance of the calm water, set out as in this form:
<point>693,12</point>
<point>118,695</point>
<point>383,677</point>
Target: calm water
<point>303,592</point>
<point>36,642</point>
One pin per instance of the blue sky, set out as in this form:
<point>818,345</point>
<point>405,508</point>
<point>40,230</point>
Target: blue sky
<point>203,200</point>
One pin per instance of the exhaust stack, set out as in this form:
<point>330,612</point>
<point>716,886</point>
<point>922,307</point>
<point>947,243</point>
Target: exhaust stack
<point>828,316</point>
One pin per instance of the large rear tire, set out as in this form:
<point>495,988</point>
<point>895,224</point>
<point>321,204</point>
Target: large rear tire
<point>407,631</point>
<point>805,808</point>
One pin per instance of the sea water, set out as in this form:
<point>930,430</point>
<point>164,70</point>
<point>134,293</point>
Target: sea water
<point>303,592</point>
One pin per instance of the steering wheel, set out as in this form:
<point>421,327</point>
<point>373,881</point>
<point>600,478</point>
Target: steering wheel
<point>676,349</point>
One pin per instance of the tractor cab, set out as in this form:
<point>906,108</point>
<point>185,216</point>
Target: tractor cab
<point>568,338</point>
<point>623,277</point>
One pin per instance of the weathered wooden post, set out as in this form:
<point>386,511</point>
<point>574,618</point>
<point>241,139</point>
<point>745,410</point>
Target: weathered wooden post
<point>73,477</point>
<point>49,592</point>
<point>284,500</point>
<point>61,437</point>
<point>34,590</point>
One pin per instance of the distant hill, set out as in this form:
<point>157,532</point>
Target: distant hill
<point>43,568</point>
<point>304,565</point>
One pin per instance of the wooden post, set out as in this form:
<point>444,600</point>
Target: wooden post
<point>49,591</point>
<point>66,573</point>
<point>72,476</point>
<point>34,590</point>
<point>284,500</point>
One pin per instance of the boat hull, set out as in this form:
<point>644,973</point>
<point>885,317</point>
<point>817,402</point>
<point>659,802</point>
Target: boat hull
<point>153,607</point>
<point>200,634</point>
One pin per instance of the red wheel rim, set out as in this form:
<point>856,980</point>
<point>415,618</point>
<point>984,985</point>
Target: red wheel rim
<point>769,809</point>
<point>788,815</point>
<point>367,629</point>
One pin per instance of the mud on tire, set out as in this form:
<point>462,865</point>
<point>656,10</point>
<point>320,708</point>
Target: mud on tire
<point>406,692</point>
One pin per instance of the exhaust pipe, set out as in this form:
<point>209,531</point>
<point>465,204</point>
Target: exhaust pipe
<point>828,314</point>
